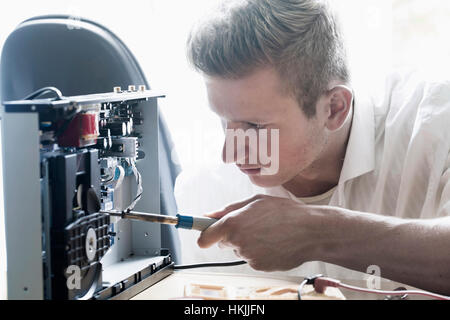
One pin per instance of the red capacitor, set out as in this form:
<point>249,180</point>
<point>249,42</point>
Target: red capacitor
<point>82,131</point>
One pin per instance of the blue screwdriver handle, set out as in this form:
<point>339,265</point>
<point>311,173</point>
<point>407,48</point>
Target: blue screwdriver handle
<point>194,223</point>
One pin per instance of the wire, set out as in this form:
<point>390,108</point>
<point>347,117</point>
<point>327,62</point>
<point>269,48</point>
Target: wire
<point>43,91</point>
<point>120,178</point>
<point>59,96</point>
<point>321,283</point>
<point>209,264</point>
<point>139,188</point>
<point>300,288</point>
<point>108,180</point>
<point>309,280</point>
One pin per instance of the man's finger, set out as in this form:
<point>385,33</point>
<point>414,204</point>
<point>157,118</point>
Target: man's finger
<point>233,207</point>
<point>215,233</point>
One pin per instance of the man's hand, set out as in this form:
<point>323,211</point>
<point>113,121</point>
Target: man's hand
<point>269,233</point>
<point>280,234</point>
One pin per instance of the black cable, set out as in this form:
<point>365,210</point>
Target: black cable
<point>108,180</point>
<point>209,264</point>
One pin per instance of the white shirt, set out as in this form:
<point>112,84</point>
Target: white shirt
<point>320,200</point>
<point>397,161</point>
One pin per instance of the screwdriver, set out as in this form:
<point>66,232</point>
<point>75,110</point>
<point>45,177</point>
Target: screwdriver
<point>184,222</point>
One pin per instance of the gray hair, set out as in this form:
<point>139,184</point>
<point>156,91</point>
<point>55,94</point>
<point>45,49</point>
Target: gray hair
<point>299,38</point>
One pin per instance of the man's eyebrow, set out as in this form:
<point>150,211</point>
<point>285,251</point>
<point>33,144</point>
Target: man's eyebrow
<point>249,121</point>
<point>259,120</point>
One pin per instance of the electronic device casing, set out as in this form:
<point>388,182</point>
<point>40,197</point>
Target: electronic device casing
<point>134,261</point>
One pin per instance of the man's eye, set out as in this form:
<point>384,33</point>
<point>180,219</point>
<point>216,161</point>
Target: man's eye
<point>256,125</point>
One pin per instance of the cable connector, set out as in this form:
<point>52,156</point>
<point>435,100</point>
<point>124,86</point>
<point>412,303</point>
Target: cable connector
<point>321,283</point>
<point>125,212</point>
<point>308,280</point>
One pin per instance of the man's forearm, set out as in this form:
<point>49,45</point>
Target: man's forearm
<point>414,252</point>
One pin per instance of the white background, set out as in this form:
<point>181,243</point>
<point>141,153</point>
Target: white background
<point>381,35</point>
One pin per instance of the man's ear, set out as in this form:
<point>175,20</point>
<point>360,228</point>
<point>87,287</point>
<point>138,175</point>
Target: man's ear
<point>340,100</point>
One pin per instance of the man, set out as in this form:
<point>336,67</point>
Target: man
<point>358,183</point>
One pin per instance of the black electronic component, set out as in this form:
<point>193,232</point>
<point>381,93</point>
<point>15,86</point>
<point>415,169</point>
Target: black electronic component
<point>74,210</point>
<point>115,128</point>
<point>81,168</point>
<point>124,147</point>
<point>102,143</point>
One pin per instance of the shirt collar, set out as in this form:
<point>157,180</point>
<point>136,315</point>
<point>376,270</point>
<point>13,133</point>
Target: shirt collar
<point>360,154</point>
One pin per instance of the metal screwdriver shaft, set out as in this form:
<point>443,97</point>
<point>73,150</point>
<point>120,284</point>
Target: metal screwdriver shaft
<point>150,217</point>
<point>184,222</point>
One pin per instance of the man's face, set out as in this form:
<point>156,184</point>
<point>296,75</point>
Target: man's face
<point>257,102</point>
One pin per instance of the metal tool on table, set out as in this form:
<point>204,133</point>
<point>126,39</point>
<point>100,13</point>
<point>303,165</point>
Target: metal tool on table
<point>179,221</point>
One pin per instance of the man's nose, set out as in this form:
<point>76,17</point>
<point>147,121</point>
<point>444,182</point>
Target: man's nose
<point>225,159</point>
<point>231,151</point>
<point>239,150</point>
<point>231,155</point>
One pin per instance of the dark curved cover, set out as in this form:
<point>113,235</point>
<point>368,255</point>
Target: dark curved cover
<point>79,56</point>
